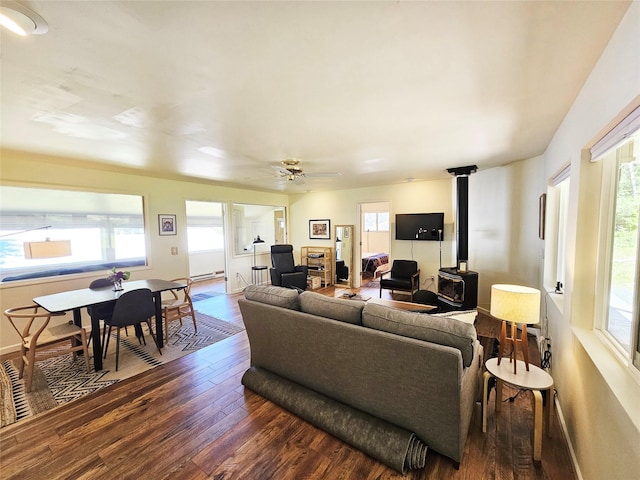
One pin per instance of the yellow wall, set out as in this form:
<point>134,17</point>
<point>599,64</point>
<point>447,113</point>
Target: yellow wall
<point>342,208</point>
<point>161,196</point>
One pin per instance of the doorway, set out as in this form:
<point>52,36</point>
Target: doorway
<point>205,240</point>
<point>375,242</point>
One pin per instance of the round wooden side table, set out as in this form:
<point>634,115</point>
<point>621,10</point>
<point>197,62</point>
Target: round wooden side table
<point>536,380</point>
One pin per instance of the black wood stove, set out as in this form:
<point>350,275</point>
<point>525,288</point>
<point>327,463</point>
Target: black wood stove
<point>457,286</point>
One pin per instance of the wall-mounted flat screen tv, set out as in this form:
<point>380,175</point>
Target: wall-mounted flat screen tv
<point>420,226</point>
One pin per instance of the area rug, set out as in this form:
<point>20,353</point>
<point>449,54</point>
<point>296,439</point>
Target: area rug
<point>205,296</point>
<point>394,446</point>
<point>59,380</point>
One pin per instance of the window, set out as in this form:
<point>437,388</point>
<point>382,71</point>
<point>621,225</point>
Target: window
<point>619,247</point>
<point>205,230</point>
<point>376,221</point>
<point>562,196</point>
<point>251,221</point>
<point>100,231</point>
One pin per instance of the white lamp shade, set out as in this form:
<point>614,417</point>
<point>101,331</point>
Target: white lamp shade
<point>515,303</point>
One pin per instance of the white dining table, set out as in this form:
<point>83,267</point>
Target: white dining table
<point>76,300</point>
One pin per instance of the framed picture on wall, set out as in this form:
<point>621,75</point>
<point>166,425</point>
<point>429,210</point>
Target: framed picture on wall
<point>167,224</point>
<point>320,229</point>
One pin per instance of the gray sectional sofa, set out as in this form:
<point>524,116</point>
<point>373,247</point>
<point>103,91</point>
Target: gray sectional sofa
<point>384,368</point>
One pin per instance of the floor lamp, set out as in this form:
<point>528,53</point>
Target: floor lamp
<point>255,269</point>
<point>256,241</point>
<point>517,305</point>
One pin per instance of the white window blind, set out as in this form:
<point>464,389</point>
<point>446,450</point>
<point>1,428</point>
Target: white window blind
<point>561,176</point>
<point>618,134</point>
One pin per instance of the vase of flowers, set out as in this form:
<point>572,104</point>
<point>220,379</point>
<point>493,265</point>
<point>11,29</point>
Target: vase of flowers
<point>116,278</point>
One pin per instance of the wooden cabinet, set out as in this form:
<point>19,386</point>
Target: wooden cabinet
<point>320,262</point>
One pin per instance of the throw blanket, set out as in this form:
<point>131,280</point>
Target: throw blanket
<point>372,261</point>
<point>395,447</point>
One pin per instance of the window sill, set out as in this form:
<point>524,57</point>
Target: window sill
<point>624,385</point>
<point>557,299</point>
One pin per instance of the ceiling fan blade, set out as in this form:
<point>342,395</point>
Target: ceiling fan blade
<point>324,174</point>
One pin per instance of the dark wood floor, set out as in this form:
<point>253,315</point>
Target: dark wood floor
<point>192,419</point>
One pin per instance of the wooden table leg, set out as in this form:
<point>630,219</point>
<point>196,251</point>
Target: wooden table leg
<point>485,401</point>
<point>498,394</point>
<point>537,425</point>
<point>549,412</point>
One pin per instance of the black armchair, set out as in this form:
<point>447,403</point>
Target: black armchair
<point>284,273</point>
<point>404,276</point>
<point>342,271</point>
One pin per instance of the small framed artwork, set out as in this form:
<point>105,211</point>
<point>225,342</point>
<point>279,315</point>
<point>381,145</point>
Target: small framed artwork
<point>167,224</point>
<point>320,229</point>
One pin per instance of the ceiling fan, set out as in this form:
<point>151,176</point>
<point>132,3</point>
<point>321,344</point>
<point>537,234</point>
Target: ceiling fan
<point>292,171</point>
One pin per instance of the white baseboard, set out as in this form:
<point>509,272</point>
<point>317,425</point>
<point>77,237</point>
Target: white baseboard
<point>10,349</point>
<point>565,432</point>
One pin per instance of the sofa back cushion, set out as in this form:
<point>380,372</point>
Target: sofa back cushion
<point>443,331</point>
<point>278,296</point>
<point>349,311</point>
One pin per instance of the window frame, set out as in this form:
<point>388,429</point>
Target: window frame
<point>377,217</point>
<point>607,216</point>
<point>246,228</point>
<point>55,271</point>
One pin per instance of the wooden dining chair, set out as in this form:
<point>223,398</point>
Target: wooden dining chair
<point>39,340</point>
<point>178,306</point>
<point>134,307</point>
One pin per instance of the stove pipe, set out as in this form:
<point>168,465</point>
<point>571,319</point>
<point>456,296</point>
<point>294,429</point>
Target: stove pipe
<point>462,215</point>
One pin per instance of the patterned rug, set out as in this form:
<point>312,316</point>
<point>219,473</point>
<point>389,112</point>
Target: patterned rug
<point>59,380</point>
<point>205,295</point>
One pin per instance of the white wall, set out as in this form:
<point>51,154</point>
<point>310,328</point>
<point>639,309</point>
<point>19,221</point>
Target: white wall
<point>205,263</point>
<point>597,394</point>
<point>503,226</point>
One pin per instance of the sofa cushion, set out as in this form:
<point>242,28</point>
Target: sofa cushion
<point>278,296</point>
<point>468,316</point>
<point>349,311</point>
<point>443,331</point>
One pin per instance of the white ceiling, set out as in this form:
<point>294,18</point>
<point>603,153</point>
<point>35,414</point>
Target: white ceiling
<point>378,91</point>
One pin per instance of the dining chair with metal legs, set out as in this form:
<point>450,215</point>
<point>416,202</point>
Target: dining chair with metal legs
<point>134,307</point>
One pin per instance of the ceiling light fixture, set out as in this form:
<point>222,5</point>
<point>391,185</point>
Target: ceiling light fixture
<point>21,20</point>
